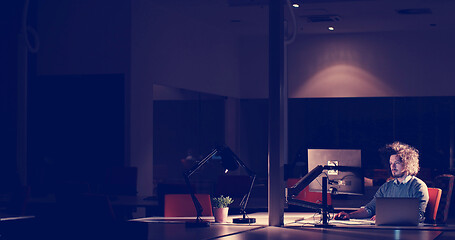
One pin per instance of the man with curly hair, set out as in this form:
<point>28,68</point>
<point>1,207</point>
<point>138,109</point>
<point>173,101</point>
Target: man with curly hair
<point>404,166</point>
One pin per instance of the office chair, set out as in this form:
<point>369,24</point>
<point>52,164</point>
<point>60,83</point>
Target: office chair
<point>444,182</point>
<point>433,204</point>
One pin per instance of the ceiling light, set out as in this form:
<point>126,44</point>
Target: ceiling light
<point>331,28</point>
<point>296,5</point>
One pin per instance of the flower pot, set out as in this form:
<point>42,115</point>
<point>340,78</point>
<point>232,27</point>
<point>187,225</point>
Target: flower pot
<point>221,214</point>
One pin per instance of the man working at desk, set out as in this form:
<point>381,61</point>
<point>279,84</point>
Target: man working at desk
<point>404,165</point>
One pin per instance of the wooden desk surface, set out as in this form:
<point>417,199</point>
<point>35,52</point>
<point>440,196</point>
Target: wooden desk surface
<point>178,231</point>
<point>262,218</point>
<point>174,228</point>
<point>277,233</point>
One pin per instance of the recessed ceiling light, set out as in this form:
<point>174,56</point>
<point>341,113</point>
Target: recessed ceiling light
<point>331,28</point>
<point>296,5</point>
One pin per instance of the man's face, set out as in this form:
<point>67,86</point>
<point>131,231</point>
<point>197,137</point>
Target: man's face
<point>396,166</point>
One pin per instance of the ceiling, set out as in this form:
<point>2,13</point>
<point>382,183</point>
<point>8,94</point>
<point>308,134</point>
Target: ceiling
<point>375,15</point>
<point>314,16</point>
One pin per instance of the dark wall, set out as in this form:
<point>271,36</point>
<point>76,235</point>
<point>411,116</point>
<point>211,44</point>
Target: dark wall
<point>351,123</point>
<point>182,127</point>
<point>254,134</point>
<point>76,128</point>
<point>370,123</point>
<point>10,19</point>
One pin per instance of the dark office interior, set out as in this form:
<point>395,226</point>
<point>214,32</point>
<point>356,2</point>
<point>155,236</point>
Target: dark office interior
<point>116,99</point>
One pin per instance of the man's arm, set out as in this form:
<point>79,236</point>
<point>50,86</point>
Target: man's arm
<point>361,213</point>
<point>365,212</point>
<point>421,192</point>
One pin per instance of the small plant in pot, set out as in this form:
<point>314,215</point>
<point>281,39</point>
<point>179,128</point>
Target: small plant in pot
<point>220,208</point>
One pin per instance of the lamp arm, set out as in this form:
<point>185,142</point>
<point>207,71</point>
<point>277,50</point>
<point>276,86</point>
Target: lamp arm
<point>313,174</point>
<point>304,182</point>
<point>248,171</point>
<point>187,175</point>
<point>246,197</point>
<point>252,175</point>
<point>196,202</point>
<point>202,162</point>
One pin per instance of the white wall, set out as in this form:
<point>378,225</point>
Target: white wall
<point>254,66</point>
<point>356,65</point>
<point>172,46</point>
<point>178,47</point>
<point>372,65</point>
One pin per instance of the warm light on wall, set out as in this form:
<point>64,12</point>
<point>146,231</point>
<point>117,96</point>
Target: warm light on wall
<point>342,80</point>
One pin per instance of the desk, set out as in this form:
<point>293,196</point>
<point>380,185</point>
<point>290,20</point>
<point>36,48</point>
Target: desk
<point>272,233</point>
<point>262,219</point>
<point>294,228</point>
<point>177,231</point>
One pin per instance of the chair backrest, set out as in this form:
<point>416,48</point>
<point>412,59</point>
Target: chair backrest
<point>164,189</point>
<point>433,204</point>
<point>306,195</point>
<point>181,205</point>
<point>444,182</point>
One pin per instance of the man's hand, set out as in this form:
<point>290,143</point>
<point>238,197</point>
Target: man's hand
<point>342,216</point>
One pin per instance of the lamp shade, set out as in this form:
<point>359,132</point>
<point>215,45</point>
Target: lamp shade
<point>228,159</point>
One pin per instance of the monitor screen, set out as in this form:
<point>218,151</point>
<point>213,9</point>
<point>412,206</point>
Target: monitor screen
<point>341,182</point>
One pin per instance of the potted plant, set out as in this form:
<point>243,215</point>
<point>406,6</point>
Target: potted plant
<point>220,208</point>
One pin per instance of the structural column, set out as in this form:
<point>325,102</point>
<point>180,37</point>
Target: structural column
<point>277,114</point>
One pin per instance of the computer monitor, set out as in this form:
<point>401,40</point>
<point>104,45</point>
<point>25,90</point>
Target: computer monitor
<point>339,182</point>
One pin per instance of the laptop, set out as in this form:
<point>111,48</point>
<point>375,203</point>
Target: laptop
<point>397,211</point>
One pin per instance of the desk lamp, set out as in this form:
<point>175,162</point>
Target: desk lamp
<point>324,208</point>
<point>230,162</point>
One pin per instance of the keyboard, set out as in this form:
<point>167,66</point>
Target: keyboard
<point>353,222</point>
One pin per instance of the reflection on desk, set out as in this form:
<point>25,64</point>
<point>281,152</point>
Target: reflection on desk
<point>296,226</point>
<point>262,219</point>
<point>272,233</point>
<point>177,230</point>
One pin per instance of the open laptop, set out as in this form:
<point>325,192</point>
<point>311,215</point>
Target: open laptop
<point>397,211</point>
